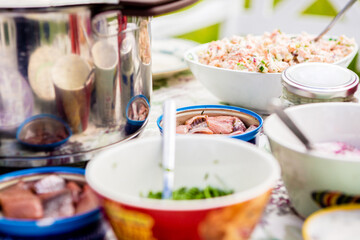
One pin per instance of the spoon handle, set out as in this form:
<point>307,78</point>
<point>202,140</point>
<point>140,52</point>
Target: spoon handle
<point>277,108</point>
<point>168,143</point>
<point>335,19</point>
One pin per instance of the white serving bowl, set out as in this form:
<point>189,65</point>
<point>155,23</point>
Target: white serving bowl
<point>310,174</point>
<point>333,223</point>
<point>252,90</point>
<point>119,176</point>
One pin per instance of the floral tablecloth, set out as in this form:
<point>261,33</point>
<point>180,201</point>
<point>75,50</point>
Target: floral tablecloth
<point>279,221</point>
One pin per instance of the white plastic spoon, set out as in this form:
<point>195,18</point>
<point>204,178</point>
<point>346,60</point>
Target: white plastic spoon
<point>168,147</point>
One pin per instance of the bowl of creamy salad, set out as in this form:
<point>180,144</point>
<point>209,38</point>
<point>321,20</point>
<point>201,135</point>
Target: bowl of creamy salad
<point>328,175</point>
<point>246,70</point>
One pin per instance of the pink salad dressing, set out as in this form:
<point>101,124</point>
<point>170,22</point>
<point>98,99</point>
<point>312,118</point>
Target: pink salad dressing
<point>337,148</point>
<point>274,52</point>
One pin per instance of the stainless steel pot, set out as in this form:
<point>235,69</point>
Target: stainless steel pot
<point>89,65</point>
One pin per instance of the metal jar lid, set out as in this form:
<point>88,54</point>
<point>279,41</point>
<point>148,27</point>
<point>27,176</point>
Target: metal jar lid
<point>320,80</point>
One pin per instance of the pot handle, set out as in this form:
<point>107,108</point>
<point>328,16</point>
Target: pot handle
<point>103,24</point>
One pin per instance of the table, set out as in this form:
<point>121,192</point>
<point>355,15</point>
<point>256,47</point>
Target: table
<point>279,222</point>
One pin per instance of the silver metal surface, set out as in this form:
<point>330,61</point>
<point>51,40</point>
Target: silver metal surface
<point>335,19</point>
<point>43,131</point>
<point>276,107</point>
<point>168,147</point>
<point>85,69</point>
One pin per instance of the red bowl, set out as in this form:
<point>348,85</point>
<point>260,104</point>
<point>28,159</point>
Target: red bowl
<point>121,174</point>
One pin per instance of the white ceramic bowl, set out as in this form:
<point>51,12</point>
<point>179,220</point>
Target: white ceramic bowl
<point>251,90</point>
<point>333,224</point>
<point>119,175</point>
<point>308,174</point>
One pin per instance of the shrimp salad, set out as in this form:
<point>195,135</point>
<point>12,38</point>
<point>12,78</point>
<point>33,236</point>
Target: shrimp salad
<point>274,52</point>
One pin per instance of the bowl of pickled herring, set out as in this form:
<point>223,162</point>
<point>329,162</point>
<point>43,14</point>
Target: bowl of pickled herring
<point>221,187</point>
<point>246,70</point>
<point>327,175</point>
<point>48,203</point>
<point>217,120</point>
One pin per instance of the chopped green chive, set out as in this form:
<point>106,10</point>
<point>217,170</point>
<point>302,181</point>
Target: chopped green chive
<point>192,193</point>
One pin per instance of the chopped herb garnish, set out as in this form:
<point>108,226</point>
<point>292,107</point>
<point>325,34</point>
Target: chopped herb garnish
<point>241,66</point>
<point>163,168</point>
<point>206,176</point>
<point>261,68</point>
<point>193,193</point>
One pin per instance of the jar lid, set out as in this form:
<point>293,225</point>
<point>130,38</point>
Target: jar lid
<point>320,80</point>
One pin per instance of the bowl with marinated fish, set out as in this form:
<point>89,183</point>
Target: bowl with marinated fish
<point>219,120</point>
<point>221,186</point>
<point>246,70</point>
<point>49,202</point>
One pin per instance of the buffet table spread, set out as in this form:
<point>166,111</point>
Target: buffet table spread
<point>280,221</point>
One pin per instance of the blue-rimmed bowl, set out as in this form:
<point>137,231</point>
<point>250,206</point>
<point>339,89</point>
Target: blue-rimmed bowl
<point>88,225</point>
<point>49,126</point>
<point>245,115</point>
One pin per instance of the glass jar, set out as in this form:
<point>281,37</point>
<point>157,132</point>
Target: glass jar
<point>318,82</point>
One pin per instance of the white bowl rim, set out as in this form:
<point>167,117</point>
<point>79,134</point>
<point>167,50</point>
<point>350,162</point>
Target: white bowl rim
<point>184,205</point>
<point>196,49</point>
<point>311,220</point>
<point>298,147</point>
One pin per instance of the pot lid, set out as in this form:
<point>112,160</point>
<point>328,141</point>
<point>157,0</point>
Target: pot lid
<point>320,80</point>
<point>51,3</point>
<point>62,3</point>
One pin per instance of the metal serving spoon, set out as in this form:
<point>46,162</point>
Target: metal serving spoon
<point>277,108</point>
<point>168,147</point>
<point>335,19</point>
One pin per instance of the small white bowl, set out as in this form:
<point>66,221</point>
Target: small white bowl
<point>333,223</point>
<point>306,174</point>
<point>252,90</point>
